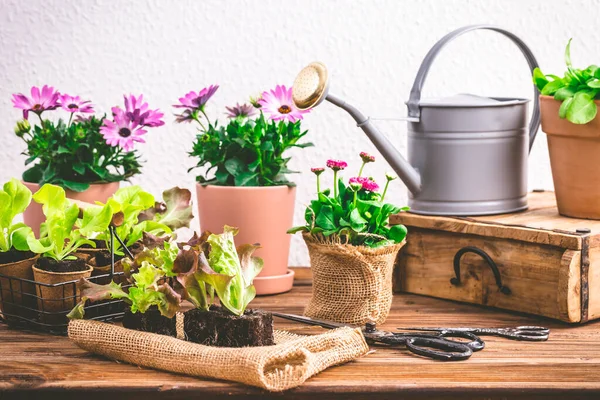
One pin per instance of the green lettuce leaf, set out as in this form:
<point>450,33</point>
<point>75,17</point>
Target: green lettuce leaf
<point>14,199</point>
<point>175,211</point>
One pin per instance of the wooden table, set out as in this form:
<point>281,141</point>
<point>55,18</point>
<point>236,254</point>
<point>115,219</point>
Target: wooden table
<point>567,366</point>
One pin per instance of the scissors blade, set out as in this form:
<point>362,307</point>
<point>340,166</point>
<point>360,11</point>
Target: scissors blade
<point>310,321</point>
<point>430,329</point>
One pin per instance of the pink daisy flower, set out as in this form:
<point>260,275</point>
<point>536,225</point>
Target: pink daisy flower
<point>122,131</point>
<point>197,101</point>
<point>317,171</point>
<point>366,157</point>
<point>279,105</point>
<point>243,111</point>
<point>337,165</point>
<point>40,101</point>
<point>137,109</point>
<point>74,104</point>
<point>367,183</point>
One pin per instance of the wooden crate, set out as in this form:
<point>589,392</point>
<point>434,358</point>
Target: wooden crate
<point>548,265</point>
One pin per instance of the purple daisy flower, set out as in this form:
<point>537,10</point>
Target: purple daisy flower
<point>279,105</point>
<point>122,131</point>
<point>74,104</point>
<point>40,101</point>
<point>197,101</point>
<point>242,111</point>
<point>138,110</point>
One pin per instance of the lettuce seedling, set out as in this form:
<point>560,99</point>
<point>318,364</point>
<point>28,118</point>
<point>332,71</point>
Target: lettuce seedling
<point>577,90</point>
<point>149,288</point>
<point>61,235</point>
<point>14,199</point>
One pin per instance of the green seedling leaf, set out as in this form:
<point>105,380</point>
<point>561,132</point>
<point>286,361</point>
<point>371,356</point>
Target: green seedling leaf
<point>14,199</point>
<point>564,107</point>
<point>582,109</point>
<point>325,218</point>
<point>175,211</point>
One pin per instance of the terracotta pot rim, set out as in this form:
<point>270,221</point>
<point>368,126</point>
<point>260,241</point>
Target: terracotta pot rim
<point>242,188</point>
<point>17,262</point>
<point>89,269</point>
<point>90,183</point>
<point>551,98</point>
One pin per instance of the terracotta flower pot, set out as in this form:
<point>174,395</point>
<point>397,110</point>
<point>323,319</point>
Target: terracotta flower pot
<point>263,215</point>
<point>33,215</point>
<point>15,295</point>
<point>574,152</point>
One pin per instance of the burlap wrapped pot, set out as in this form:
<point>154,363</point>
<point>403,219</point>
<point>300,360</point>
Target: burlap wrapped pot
<point>351,284</point>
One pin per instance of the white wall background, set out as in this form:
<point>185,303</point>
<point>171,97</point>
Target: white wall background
<point>100,49</point>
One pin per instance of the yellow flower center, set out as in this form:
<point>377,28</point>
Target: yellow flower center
<point>284,109</point>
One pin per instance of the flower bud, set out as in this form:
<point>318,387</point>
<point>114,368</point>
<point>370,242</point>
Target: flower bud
<point>22,128</point>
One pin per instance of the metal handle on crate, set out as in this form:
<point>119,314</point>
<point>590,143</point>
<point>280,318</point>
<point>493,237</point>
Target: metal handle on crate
<point>414,111</point>
<point>475,250</point>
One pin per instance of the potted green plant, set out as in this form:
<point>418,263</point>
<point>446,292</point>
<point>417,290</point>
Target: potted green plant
<point>243,167</point>
<point>87,155</point>
<point>569,107</point>
<point>60,240</point>
<point>352,248</point>
<point>16,259</point>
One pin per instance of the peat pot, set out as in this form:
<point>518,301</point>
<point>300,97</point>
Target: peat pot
<point>263,215</point>
<point>33,215</point>
<point>574,153</point>
<point>18,298</point>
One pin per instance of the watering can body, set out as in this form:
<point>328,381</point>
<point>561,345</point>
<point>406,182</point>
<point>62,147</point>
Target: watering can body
<point>471,158</point>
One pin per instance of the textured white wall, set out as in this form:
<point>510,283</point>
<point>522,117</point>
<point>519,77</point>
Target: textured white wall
<point>163,48</point>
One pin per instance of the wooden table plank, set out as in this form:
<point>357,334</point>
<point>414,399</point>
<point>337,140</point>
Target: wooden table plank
<point>568,365</point>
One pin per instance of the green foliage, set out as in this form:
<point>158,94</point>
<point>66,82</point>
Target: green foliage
<point>247,152</point>
<point>73,156</point>
<point>577,90</point>
<point>60,237</point>
<point>353,214</point>
<point>14,199</point>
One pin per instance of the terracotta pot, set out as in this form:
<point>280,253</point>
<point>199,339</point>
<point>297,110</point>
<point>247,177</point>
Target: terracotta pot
<point>263,215</point>
<point>15,295</point>
<point>54,299</point>
<point>574,152</point>
<point>33,215</point>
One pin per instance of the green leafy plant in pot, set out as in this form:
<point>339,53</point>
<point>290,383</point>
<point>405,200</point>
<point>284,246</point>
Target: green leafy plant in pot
<point>352,248</point>
<point>243,167</point>
<point>61,237</point>
<point>16,258</point>
<point>569,108</point>
<point>86,154</point>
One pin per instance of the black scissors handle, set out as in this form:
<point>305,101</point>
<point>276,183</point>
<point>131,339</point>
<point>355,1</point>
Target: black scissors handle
<point>427,345</point>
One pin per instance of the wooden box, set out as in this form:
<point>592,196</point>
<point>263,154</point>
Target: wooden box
<point>534,261</point>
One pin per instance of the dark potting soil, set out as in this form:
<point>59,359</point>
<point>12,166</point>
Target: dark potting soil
<point>100,244</point>
<point>102,258</point>
<point>51,265</point>
<point>14,255</point>
<point>150,321</point>
<point>219,327</point>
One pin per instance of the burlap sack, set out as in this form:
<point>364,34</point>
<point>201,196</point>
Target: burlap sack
<point>286,365</point>
<point>351,284</point>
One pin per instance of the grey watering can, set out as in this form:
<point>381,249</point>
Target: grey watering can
<point>467,155</point>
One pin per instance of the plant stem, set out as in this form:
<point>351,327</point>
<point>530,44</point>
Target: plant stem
<point>70,118</point>
<point>201,124</point>
<point>354,201</point>
<point>205,116</point>
<point>41,120</point>
<point>360,171</point>
<point>385,190</point>
<point>318,184</point>
<point>335,184</point>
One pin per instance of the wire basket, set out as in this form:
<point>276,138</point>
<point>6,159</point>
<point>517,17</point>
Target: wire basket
<point>23,306</point>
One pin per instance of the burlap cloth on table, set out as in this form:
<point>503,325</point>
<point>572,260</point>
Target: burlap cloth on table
<point>351,284</point>
<point>283,366</point>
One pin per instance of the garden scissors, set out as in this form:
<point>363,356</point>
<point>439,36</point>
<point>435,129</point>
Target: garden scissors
<point>525,333</point>
<point>432,345</point>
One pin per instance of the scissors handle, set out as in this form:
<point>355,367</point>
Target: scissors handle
<point>446,350</point>
<point>475,342</point>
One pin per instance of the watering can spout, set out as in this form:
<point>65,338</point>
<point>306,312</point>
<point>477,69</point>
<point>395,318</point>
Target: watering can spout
<point>405,171</point>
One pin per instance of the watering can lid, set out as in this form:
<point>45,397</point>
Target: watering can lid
<point>470,100</point>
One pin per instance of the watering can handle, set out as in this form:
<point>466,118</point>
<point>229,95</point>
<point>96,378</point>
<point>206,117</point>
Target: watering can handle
<point>414,110</point>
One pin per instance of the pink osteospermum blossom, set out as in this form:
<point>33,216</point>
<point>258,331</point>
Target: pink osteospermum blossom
<point>337,165</point>
<point>40,101</point>
<point>317,171</point>
<point>122,131</point>
<point>197,101</point>
<point>74,104</point>
<point>137,109</point>
<point>242,111</point>
<point>366,157</point>
<point>279,105</point>
<point>367,183</point>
